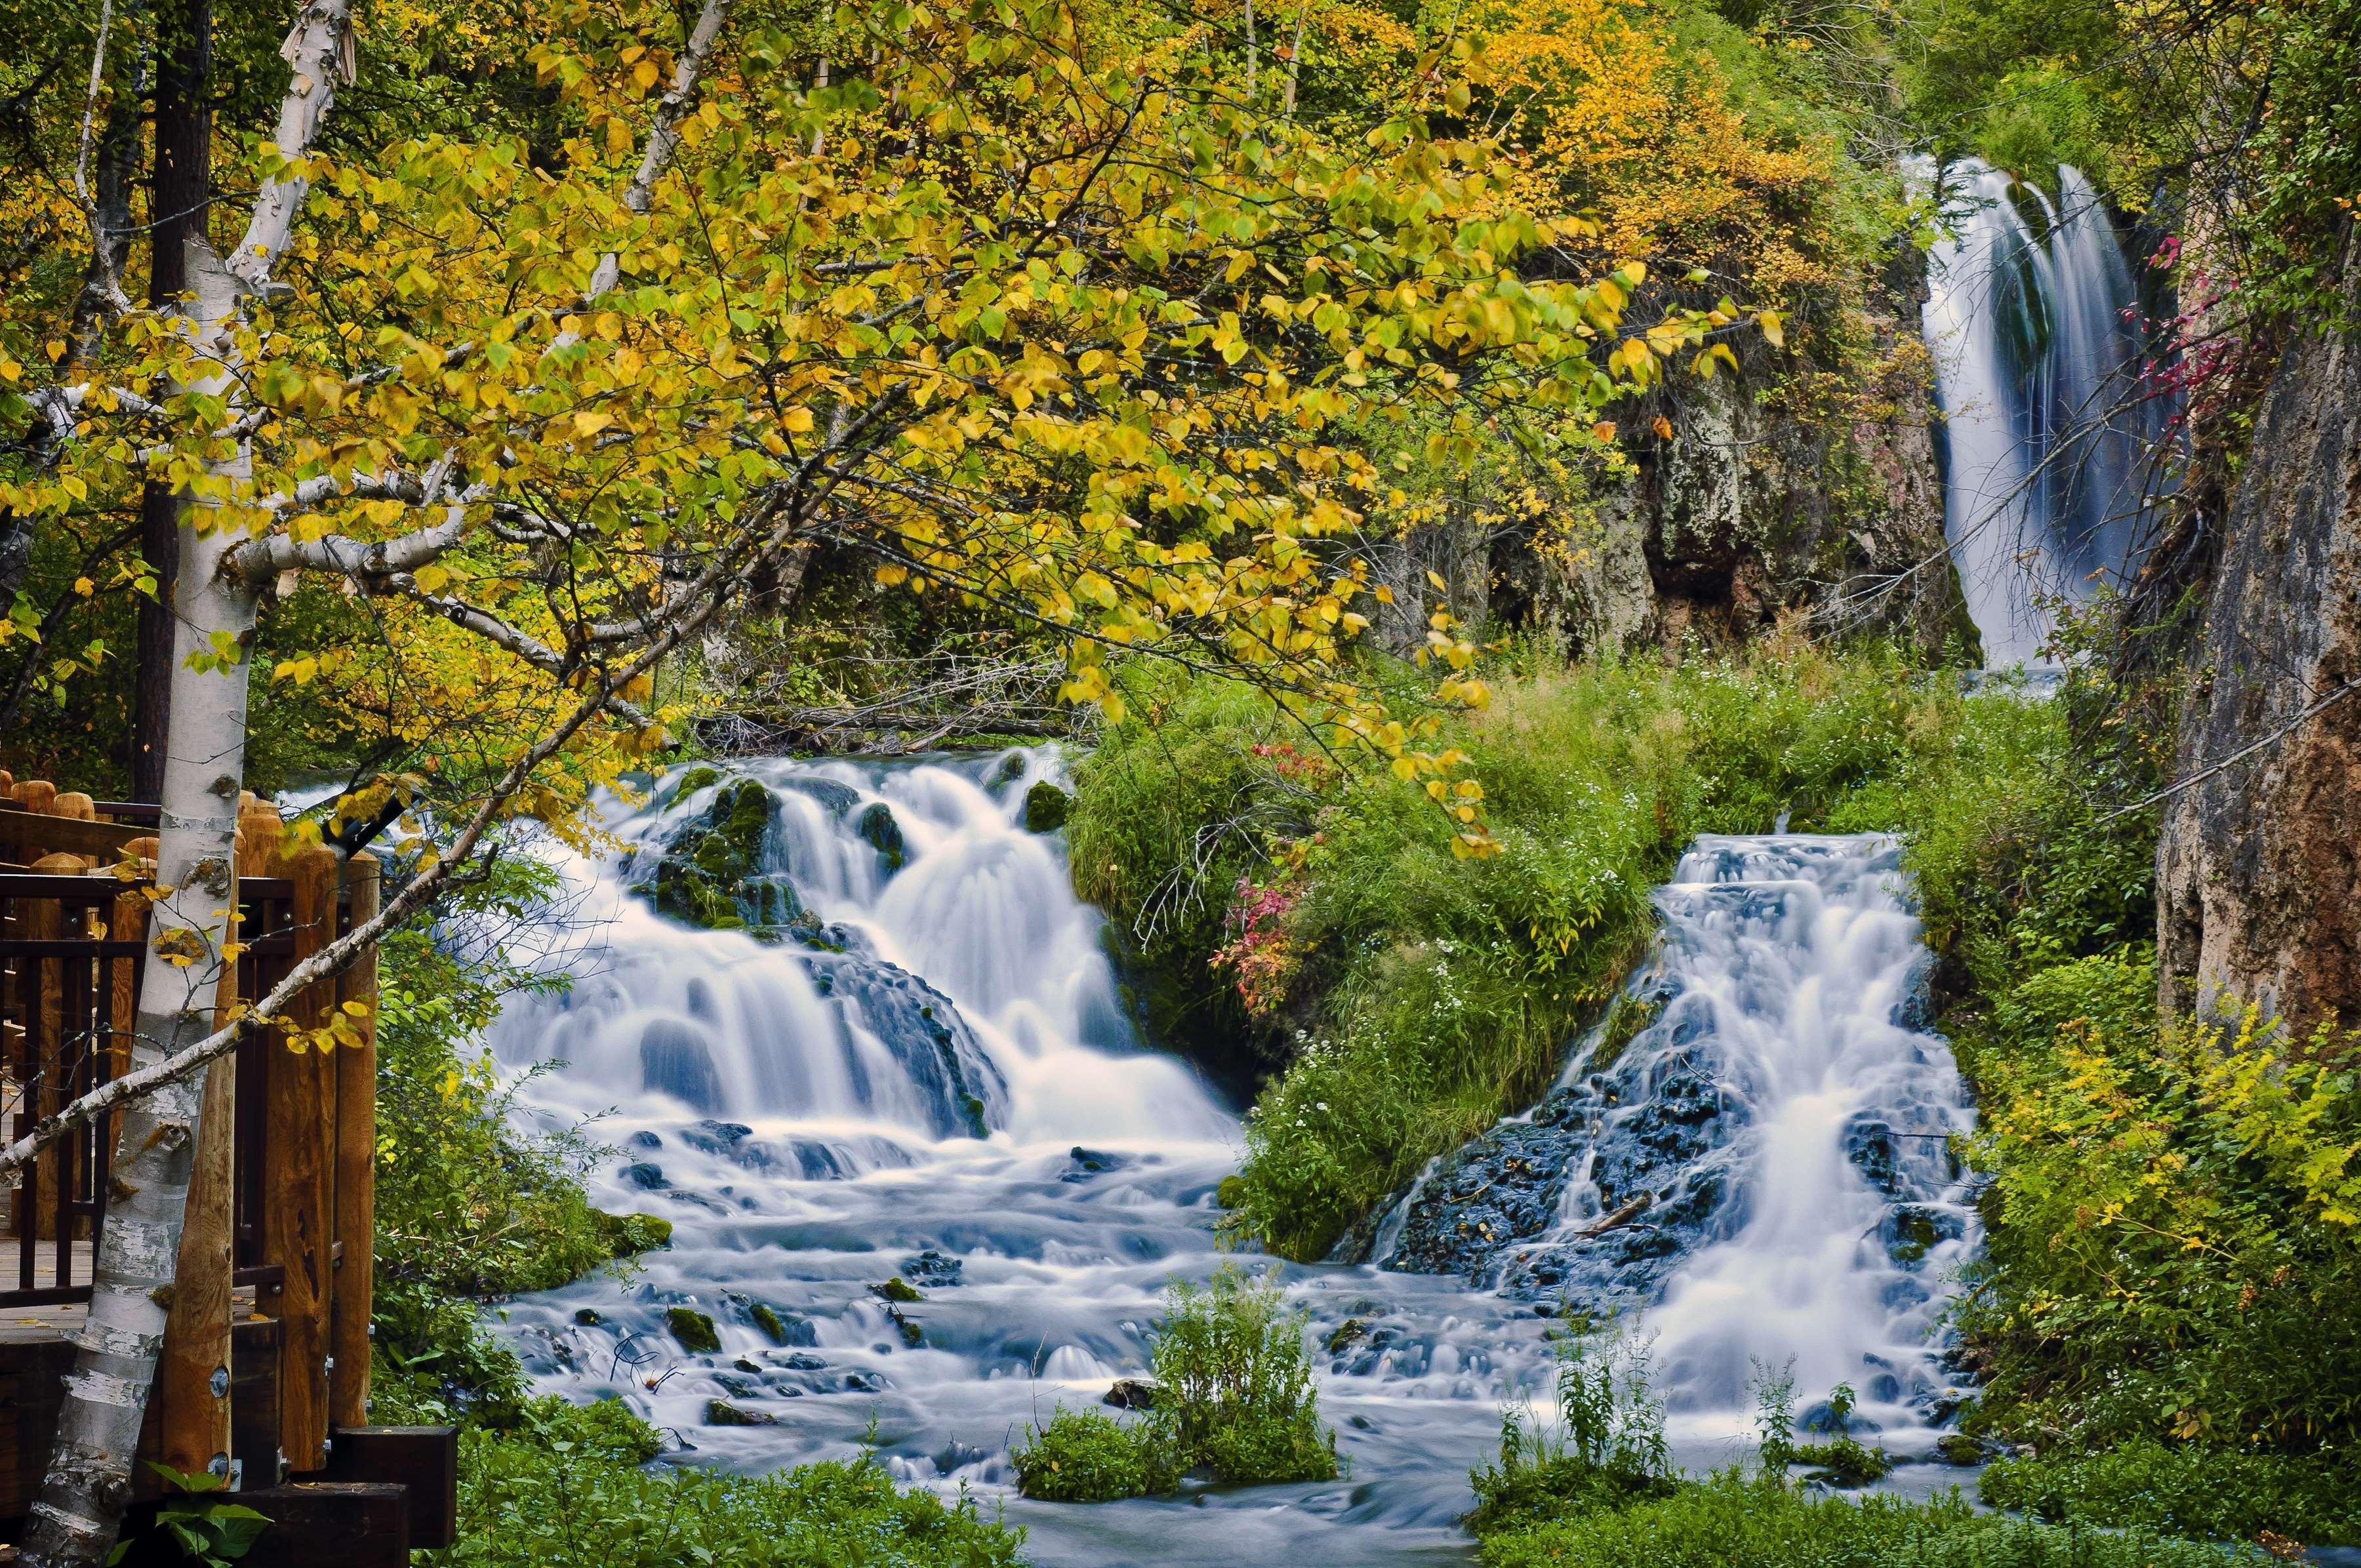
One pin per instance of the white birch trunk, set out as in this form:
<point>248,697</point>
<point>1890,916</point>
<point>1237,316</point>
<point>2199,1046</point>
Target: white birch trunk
<point>74,1522</point>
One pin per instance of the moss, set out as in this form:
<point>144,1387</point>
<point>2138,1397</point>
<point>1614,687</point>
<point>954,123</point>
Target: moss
<point>884,834</point>
<point>1046,807</point>
<point>710,874</point>
<point>767,1320</point>
<point>628,1235</point>
<point>696,778</point>
<point>693,1329</point>
<point>1231,1191</point>
<point>897,1290</point>
<point>1627,1019</point>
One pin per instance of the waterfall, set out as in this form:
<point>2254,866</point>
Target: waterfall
<point>2037,362</point>
<point>1763,1173</point>
<point>925,1072</point>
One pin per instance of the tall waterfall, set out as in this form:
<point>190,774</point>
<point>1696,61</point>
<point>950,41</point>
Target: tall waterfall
<point>2037,359</point>
<point>929,1076</point>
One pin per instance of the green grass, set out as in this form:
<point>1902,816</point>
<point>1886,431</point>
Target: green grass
<point>1737,1521</point>
<point>2313,1498</point>
<point>570,1489</point>
<point>1085,1457</point>
<point>1234,1401</point>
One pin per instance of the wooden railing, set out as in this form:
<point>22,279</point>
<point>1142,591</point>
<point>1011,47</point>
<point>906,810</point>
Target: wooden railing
<point>281,1209</point>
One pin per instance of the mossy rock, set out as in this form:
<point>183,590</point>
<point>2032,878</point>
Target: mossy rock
<point>710,874</point>
<point>884,835</point>
<point>781,1328</point>
<point>628,1235</point>
<point>693,1329</point>
<point>897,1289</point>
<point>1045,806</point>
<point>1958,1448</point>
<point>1231,1191</point>
<point>696,778</point>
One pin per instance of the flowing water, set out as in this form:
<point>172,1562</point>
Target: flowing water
<point>2031,318</point>
<point>807,1111</point>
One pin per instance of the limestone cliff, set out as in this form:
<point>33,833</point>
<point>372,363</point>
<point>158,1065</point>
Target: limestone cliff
<point>2259,863</point>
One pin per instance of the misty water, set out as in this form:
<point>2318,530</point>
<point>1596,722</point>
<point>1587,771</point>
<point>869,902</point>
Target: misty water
<point>806,1112</point>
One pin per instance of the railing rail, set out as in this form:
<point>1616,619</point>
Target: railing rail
<point>282,1200</point>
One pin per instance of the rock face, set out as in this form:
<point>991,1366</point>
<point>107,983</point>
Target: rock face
<point>1798,485</point>
<point>2258,867</point>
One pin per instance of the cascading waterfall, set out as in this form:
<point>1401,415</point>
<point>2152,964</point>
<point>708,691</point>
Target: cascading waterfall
<point>1763,1173</point>
<point>2038,360</point>
<point>922,1069</point>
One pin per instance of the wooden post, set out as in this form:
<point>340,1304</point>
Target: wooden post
<point>299,1180</point>
<point>192,1375</point>
<point>45,920</point>
<point>348,1329</point>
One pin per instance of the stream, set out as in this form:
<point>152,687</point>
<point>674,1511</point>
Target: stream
<point>806,1112</point>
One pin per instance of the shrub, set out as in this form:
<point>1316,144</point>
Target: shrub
<point>2182,1490</point>
<point>1083,1456</point>
<point>1233,1383</point>
<point>2173,1252</point>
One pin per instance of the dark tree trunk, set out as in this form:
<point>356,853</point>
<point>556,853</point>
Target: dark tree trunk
<point>182,190</point>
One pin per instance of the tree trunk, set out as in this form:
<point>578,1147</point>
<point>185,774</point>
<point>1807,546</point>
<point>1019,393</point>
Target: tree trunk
<point>89,1481</point>
<point>74,1523</point>
<point>184,186</point>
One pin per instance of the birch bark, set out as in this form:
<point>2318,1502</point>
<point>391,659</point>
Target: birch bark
<point>74,1522</point>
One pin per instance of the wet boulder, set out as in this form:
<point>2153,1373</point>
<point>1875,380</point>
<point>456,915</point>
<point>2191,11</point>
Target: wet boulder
<point>781,1328</point>
<point>1132,1394</point>
<point>964,1091</point>
<point>693,1329</point>
<point>710,873</point>
<point>721,1413</point>
<point>675,1059</point>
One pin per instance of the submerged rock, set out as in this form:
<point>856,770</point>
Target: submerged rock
<point>932,1269</point>
<point>1081,1164</point>
<point>722,1413</point>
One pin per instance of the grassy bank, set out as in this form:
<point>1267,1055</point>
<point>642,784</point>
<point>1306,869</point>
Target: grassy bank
<point>1404,998</point>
